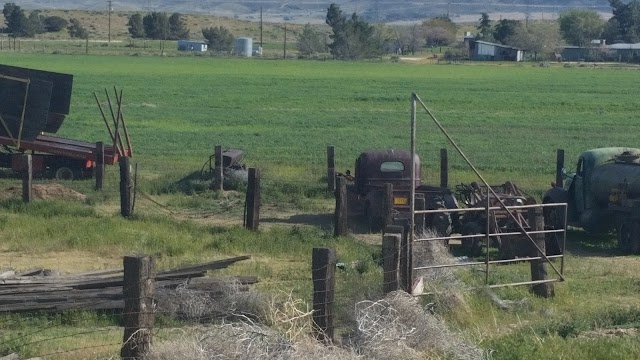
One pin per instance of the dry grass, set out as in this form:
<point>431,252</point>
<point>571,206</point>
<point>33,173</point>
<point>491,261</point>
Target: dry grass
<point>279,327</point>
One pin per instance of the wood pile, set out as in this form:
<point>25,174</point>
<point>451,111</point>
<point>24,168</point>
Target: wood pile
<point>42,290</point>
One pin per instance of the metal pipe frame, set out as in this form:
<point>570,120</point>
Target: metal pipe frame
<point>476,263</point>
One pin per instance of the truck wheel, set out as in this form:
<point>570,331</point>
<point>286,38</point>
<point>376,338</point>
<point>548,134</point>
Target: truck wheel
<point>64,173</point>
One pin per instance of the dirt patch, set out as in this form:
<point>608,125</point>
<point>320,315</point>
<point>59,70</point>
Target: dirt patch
<point>46,192</point>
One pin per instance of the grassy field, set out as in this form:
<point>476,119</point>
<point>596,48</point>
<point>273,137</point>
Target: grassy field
<point>509,119</point>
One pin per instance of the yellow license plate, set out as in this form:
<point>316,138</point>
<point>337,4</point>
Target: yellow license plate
<point>400,201</point>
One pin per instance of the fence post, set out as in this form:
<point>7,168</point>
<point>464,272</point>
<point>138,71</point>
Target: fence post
<point>323,270</point>
<point>218,175</point>
<point>331,168</point>
<point>138,291</point>
<point>387,205</point>
<point>27,177</point>
<point>341,226</point>
<point>253,200</point>
<point>559,167</point>
<point>538,267</point>
<point>444,168</point>
<point>405,255</point>
<point>125,186</point>
<point>391,261</point>
<point>99,165</point>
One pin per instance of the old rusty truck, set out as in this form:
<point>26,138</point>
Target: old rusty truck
<point>366,191</point>
<point>602,195</point>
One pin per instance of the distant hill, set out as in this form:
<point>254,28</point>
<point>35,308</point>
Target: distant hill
<point>314,11</point>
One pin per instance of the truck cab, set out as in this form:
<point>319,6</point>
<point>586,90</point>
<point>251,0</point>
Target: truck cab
<point>374,169</point>
<point>586,199</point>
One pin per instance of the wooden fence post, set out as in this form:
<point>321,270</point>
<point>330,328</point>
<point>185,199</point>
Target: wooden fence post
<point>387,205</point>
<point>559,167</point>
<point>401,226</point>
<point>253,200</point>
<point>341,222</point>
<point>391,261</point>
<point>27,177</point>
<point>99,165</point>
<point>538,267</point>
<point>125,186</point>
<point>218,174</point>
<point>138,291</point>
<point>444,168</point>
<point>331,168</point>
<point>323,270</point>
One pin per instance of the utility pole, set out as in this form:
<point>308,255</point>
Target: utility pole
<point>109,10</point>
<point>260,26</point>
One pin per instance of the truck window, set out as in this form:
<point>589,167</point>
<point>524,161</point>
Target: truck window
<point>391,166</point>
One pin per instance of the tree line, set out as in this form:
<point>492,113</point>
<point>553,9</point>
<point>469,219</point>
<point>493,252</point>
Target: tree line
<point>19,24</point>
<point>351,37</point>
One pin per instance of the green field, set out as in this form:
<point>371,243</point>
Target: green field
<point>509,119</point>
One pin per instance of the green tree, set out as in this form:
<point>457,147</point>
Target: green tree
<point>177,28</point>
<point>540,39</point>
<point>36,22</point>
<point>17,22</point>
<point>76,30</point>
<point>440,31</point>
<point>311,42</point>
<point>353,38</point>
<point>219,38</point>
<point>484,27</point>
<point>579,27</point>
<point>55,23</point>
<point>156,25</point>
<point>504,29</point>
<point>135,26</point>
<point>625,23</point>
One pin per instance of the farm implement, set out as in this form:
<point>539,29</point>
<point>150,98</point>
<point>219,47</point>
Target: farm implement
<point>33,107</point>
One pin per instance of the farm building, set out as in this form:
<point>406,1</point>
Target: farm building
<point>615,52</point>
<point>483,51</point>
<point>187,45</point>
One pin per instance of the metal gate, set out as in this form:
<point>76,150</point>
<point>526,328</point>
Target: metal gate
<point>519,227</point>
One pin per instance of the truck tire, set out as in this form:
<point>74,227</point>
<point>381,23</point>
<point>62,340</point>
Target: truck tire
<point>64,173</point>
<point>628,235</point>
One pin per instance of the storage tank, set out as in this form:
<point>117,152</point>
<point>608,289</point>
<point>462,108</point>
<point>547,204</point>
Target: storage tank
<point>243,46</point>
<point>615,175</point>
